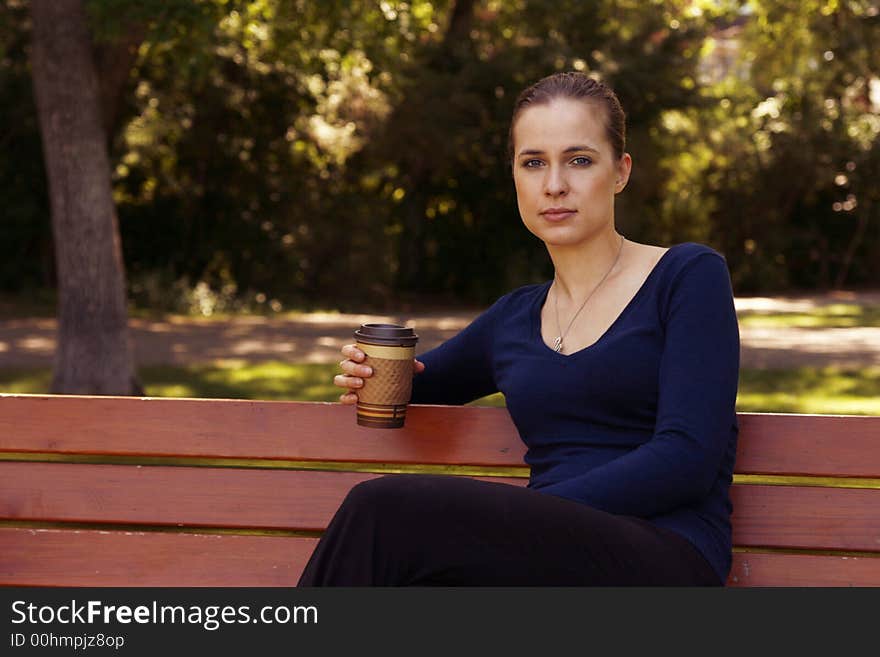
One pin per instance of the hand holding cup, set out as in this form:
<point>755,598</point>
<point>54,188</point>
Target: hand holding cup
<point>381,366</point>
<point>354,372</point>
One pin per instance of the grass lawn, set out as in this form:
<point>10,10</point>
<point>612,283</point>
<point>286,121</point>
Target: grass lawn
<point>836,315</point>
<point>805,390</point>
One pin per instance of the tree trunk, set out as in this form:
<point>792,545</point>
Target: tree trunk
<point>113,62</point>
<point>854,244</point>
<point>94,354</point>
<point>460,23</point>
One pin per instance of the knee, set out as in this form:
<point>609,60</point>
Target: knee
<point>397,492</point>
<point>376,492</point>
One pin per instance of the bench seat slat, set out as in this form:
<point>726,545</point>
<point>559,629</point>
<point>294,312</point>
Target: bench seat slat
<point>457,435</point>
<point>765,516</point>
<point>48,557</point>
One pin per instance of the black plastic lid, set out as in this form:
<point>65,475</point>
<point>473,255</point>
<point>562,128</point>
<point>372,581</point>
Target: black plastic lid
<point>387,335</point>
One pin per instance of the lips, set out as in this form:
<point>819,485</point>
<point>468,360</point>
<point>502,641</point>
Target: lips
<point>557,214</point>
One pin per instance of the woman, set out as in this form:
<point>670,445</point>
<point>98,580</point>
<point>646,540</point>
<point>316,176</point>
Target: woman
<point>620,375</point>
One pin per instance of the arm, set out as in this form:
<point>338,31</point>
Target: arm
<point>699,370</point>
<point>460,369</point>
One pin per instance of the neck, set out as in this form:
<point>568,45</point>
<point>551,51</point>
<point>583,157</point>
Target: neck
<point>579,269</point>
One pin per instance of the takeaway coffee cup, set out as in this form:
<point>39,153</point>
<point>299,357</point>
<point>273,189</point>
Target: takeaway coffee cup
<point>389,350</point>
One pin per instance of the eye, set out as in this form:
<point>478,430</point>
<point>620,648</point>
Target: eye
<point>532,164</point>
<point>581,161</point>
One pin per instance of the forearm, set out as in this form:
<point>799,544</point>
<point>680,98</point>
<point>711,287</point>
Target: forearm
<point>656,478</point>
<point>441,383</point>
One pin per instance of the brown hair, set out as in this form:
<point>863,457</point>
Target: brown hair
<point>577,86</point>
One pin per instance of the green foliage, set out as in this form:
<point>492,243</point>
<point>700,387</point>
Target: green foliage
<point>26,252</point>
<point>355,151</point>
<point>781,155</point>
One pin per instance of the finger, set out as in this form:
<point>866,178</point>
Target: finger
<point>353,369</point>
<point>418,366</point>
<point>347,381</point>
<point>352,352</point>
<point>348,398</point>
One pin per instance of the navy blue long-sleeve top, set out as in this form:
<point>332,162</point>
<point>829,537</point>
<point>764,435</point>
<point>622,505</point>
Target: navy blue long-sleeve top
<point>640,423</point>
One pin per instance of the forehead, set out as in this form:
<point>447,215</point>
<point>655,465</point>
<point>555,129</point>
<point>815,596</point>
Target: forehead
<point>559,124</point>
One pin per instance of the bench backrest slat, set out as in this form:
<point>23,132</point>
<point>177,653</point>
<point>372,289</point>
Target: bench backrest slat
<point>190,497</point>
<point>834,446</point>
<point>768,444</point>
<point>764,516</point>
<point>254,429</point>
<point>773,569</point>
<point>100,558</point>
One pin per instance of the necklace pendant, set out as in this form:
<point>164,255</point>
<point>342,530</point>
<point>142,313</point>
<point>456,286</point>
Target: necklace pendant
<point>557,344</point>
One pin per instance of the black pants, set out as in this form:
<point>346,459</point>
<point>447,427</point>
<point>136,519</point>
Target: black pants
<point>439,530</point>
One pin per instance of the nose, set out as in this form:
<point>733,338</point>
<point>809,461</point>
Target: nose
<point>555,182</point>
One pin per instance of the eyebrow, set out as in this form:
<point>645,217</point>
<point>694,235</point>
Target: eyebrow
<point>570,149</point>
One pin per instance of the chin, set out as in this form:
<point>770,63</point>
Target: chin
<point>559,235</point>
<point>562,243</point>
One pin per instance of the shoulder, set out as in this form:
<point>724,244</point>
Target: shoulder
<point>687,252</point>
<point>692,259</point>
<point>694,273</point>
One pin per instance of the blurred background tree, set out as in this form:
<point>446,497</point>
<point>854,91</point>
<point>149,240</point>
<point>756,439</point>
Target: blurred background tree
<point>94,354</point>
<point>274,154</point>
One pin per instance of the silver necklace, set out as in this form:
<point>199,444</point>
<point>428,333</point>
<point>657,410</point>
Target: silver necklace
<point>557,344</point>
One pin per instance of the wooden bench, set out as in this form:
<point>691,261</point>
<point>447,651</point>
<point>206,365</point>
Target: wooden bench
<point>121,491</point>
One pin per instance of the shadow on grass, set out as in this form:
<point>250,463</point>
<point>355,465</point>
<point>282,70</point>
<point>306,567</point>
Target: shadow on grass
<point>26,381</point>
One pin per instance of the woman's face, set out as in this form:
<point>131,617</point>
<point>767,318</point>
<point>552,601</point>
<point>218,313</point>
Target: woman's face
<point>565,171</point>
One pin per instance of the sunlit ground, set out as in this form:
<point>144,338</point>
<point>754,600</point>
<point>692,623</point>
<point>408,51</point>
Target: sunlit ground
<point>838,315</point>
<point>829,390</point>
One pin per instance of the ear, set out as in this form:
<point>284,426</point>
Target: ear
<point>624,167</point>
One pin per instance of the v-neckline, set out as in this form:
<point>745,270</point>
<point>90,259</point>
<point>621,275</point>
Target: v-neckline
<point>542,297</point>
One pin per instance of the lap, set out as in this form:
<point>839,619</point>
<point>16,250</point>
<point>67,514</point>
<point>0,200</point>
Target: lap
<point>466,522</point>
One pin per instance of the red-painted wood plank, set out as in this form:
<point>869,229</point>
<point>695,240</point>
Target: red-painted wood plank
<point>768,516</point>
<point>819,445</point>
<point>156,495</point>
<point>49,557</point>
<point>773,569</point>
<point>847,446</point>
<point>806,517</point>
<point>92,558</point>
<point>253,429</point>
